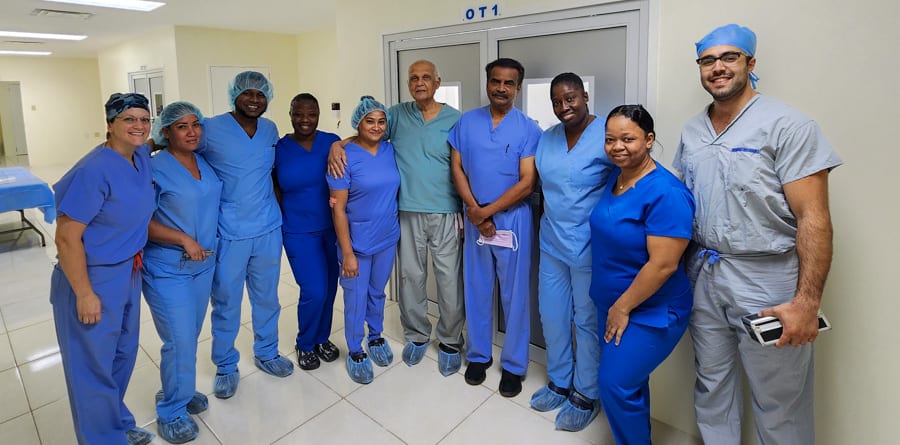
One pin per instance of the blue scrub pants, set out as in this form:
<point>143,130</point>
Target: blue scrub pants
<point>98,359</point>
<point>781,380</point>
<point>258,262</point>
<point>565,304</point>
<point>313,258</point>
<point>178,303</point>
<point>481,266</point>
<point>364,297</point>
<point>624,375</point>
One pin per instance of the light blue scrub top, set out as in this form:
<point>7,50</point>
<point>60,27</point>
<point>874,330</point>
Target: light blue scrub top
<point>186,204</point>
<point>490,156</point>
<point>113,198</point>
<point>301,179</point>
<point>248,208</point>
<point>658,205</point>
<point>372,183</point>
<point>423,157</point>
<point>737,177</point>
<point>572,182</point>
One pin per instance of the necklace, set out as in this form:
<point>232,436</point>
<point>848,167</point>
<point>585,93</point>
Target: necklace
<point>630,182</point>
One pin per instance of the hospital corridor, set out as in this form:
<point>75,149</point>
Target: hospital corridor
<point>404,405</point>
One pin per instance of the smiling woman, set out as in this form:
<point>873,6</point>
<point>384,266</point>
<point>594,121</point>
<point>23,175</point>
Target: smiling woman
<point>105,202</point>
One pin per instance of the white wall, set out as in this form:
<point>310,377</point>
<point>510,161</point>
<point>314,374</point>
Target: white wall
<point>61,104</point>
<point>831,59</point>
<point>320,78</point>
<point>198,48</point>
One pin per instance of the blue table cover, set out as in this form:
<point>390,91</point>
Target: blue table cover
<point>20,190</point>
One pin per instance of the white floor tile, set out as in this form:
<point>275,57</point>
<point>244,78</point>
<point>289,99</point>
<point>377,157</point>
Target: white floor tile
<point>500,420</point>
<point>24,313</point>
<point>44,379</point>
<point>266,408</point>
<point>19,431</point>
<point>206,370</point>
<point>140,396</point>
<point>54,423</point>
<point>331,428</point>
<point>334,374</point>
<point>14,402</point>
<point>417,403</point>
<point>7,360</point>
<point>34,342</point>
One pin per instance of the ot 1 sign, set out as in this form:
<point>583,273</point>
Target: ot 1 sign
<point>481,12</point>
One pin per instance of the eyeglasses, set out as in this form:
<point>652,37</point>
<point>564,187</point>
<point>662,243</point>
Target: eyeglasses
<point>129,120</point>
<point>727,58</point>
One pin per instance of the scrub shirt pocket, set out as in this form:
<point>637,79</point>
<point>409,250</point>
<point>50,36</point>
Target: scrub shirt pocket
<point>508,163</point>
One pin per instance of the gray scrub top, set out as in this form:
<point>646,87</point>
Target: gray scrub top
<point>737,177</point>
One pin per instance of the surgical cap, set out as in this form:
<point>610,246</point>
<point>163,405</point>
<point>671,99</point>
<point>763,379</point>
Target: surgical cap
<point>367,104</point>
<point>119,102</point>
<point>734,35</point>
<point>248,80</point>
<point>170,115</point>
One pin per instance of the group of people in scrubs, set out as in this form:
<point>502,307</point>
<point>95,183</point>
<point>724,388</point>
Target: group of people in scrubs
<point>210,212</point>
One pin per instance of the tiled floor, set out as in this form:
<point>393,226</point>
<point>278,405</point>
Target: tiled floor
<point>404,405</point>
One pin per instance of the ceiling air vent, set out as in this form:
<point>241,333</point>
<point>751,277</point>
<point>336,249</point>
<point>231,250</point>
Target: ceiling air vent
<point>22,42</point>
<point>61,14</point>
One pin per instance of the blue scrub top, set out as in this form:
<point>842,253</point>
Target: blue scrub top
<point>658,205</point>
<point>572,182</point>
<point>490,155</point>
<point>186,204</point>
<point>423,157</point>
<point>113,198</point>
<point>373,183</point>
<point>244,164</point>
<point>300,176</point>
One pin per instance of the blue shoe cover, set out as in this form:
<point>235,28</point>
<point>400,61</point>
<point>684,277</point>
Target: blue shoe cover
<point>278,366</point>
<point>360,372</point>
<point>577,414</point>
<point>413,353</point>
<point>138,436</point>
<point>196,405</point>
<point>225,385</point>
<point>380,351</point>
<point>180,430</point>
<point>549,398</point>
<point>449,363</point>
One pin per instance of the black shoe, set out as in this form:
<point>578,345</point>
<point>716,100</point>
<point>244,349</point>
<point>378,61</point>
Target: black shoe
<point>327,351</point>
<point>510,384</point>
<point>307,359</point>
<point>475,372</point>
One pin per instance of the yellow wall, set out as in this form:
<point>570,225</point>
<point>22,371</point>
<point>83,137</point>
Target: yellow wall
<point>154,50</point>
<point>62,106</point>
<point>317,70</point>
<point>198,48</point>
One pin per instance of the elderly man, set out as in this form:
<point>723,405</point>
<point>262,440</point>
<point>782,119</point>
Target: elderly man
<point>758,170</point>
<point>493,170</point>
<point>429,218</point>
<point>240,147</point>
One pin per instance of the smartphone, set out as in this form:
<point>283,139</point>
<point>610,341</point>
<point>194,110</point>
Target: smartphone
<point>767,330</point>
<point>185,255</point>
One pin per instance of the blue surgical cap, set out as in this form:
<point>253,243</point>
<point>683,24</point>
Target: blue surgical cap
<point>368,104</point>
<point>248,80</point>
<point>170,115</point>
<point>734,35</point>
<point>119,102</point>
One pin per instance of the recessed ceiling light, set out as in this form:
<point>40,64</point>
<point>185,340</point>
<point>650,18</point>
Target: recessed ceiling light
<point>40,35</point>
<point>24,53</point>
<point>133,5</point>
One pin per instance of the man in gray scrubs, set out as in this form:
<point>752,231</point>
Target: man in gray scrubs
<point>758,170</point>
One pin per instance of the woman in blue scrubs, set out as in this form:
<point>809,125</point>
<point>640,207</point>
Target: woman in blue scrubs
<point>367,226</point>
<point>573,168</point>
<point>308,231</point>
<point>105,202</point>
<point>179,263</point>
<point>640,229</point>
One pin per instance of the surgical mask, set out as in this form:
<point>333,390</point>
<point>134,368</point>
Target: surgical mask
<point>502,238</point>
